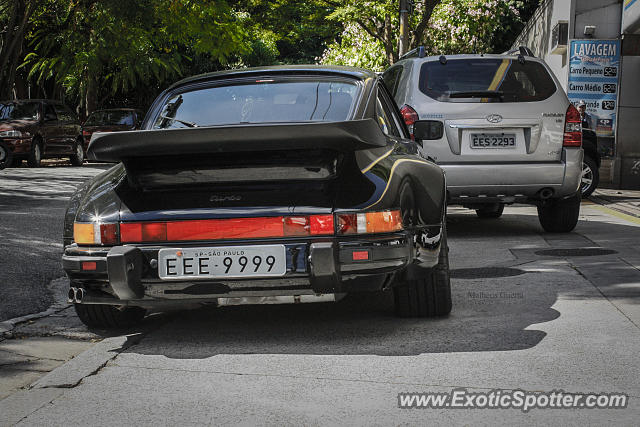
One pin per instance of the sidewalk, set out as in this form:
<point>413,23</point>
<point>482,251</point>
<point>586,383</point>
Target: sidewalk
<point>626,202</point>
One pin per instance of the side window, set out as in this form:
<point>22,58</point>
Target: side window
<point>64,115</point>
<point>50,113</point>
<point>385,117</point>
<point>391,78</point>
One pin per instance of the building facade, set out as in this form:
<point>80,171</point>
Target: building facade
<point>593,48</point>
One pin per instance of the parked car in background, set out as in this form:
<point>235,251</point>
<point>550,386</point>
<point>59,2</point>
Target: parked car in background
<point>590,163</point>
<point>36,129</point>
<point>500,126</point>
<point>111,120</point>
<point>275,184</point>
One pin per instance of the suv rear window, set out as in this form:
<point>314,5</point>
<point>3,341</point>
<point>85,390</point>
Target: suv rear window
<point>486,80</point>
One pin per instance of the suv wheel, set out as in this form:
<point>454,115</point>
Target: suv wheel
<point>429,296</point>
<point>490,211</point>
<point>77,159</point>
<point>35,155</point>
<point>6,156</point>
<point>560,216</point>
<point>590,176</point>
<point>103,316</point>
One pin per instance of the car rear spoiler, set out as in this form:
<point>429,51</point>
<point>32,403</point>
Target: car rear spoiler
<point>343,136</point>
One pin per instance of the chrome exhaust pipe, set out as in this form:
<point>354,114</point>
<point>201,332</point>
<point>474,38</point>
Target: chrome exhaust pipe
<point>80,293</point>
<point>71,296</point>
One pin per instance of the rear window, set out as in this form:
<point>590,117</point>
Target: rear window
<point>110,118</point>
<point>486,80</point>
<point>260,101</point>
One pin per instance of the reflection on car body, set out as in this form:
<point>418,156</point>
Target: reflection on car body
<point>298,183</point>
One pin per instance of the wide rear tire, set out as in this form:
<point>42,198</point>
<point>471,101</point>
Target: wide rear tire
<point>428,296</point>
<point>560,216</point>
<point>102,316</point>
<point>6,156</point>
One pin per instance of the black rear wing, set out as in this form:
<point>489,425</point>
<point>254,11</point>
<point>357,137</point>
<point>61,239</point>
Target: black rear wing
<point>343,136</point>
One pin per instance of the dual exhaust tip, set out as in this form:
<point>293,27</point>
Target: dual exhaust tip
<point>76,295</point>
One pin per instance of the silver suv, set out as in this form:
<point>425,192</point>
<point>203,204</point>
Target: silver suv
<point>501,127</point>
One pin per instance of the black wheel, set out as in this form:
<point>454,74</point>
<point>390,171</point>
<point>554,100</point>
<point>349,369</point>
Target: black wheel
<point>6,156</point>
<point>77,159</point>
<point>560,216</point>
<point>35,155</point>
<point>493,210</point>
<point>428,296</point>
<point>108,316</point>
<point>590,176</point>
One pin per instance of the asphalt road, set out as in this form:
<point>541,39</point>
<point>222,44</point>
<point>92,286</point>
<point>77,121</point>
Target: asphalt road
<point>32,206</point>
<point>532,311</point>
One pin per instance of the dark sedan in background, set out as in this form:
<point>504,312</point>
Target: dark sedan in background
<point>270,185</point>
<point>35,129</point>
<point>111,120</point>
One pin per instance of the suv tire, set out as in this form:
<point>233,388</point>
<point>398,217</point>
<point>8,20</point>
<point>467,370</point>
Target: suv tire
<point>589,172</point>
<point>491,211</point>
<point>35,155</point>
<point>428,296</point>
<point>103,316</point>
<point>77,159</point>
<point>560,216</point>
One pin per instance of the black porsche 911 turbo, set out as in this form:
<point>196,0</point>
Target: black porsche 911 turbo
<point>266,185</point>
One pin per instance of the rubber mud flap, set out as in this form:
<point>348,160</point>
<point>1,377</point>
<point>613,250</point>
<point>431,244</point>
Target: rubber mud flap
<point>325,274</point>
<point>124,267</point>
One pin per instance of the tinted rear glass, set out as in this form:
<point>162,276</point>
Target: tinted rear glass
<point>261,101</point>
<point>465,80</point>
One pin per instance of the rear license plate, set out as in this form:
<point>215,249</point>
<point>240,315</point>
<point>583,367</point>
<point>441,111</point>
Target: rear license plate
<point>493,140</point>
<point>222,262</point>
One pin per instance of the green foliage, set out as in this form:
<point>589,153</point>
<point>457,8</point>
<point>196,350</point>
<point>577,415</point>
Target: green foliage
<point>450,27</point>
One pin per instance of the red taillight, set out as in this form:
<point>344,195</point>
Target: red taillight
<point>409,116</point>
<point>89,266</point>
<point>234,228</point>
<point>572,128</point>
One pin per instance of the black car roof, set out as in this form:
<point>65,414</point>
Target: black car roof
<point>353,72</point>
<point>20,101</point>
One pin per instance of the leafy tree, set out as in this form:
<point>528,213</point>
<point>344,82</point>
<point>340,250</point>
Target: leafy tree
<point>370,38</point>
<point>15,16</point>
<point>89,45</point>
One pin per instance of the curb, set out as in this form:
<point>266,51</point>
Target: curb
<point>59,303</point>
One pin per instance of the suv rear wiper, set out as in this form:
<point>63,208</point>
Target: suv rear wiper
<point>477,94</point>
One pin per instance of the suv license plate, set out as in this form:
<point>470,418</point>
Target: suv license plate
<point>222,262</point>
<point>493,140</point>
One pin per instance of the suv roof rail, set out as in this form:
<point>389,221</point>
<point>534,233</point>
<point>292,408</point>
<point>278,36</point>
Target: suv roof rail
<point>522,50</point>
<point>418,52</point>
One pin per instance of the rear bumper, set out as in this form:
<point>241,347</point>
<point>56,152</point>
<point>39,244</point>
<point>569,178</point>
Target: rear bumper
<point>511,182</point>
<point>128,275</point>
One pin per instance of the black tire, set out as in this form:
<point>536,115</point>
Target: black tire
<point>108,316</point>
<point>491,211</point>
<point>560,216</point>
<point>590,176</point>
<point>35,155</point>
<point>429,296</point>
<point>6,156</point>
<point>77,159</point>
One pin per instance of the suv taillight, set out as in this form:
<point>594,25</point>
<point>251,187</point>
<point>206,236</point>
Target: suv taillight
<point>572,128</point>
<point>409,116</point>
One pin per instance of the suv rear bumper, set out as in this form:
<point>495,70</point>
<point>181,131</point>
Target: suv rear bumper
<point>511,182</point>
